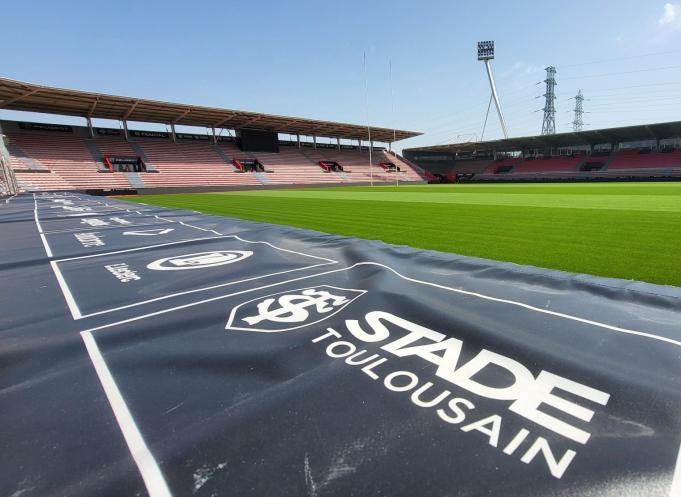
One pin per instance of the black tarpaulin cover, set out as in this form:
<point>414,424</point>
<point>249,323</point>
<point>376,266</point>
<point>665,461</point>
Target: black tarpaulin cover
<point>149,351</point>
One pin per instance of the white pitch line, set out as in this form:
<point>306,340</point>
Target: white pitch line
<point>196,290</point>
<point>146,247</point>
<point>68,297</point>
<point>251,241</point>
<point>538,309</point>
<point>189,225</point>
<point>43,239</point>
<point>148,468</point>
<point>455,290</point>
<point>676,478</point>
<point>77,314</point>
<point>283,249</point>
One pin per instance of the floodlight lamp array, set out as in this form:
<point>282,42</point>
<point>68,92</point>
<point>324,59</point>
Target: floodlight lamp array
<point>485,50</point>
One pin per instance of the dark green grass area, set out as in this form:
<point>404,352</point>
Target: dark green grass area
<point>630,231</point>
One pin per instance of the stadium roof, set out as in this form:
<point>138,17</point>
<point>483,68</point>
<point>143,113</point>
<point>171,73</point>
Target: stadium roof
<point>590,137</point>
<point>17,95</point>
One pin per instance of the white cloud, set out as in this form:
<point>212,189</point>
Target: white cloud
<point>527,68</point>
<point>671,16</point>
<point>521,68</point>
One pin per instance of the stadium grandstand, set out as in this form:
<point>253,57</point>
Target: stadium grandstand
<point>239,149</point>
<point>642,152</point>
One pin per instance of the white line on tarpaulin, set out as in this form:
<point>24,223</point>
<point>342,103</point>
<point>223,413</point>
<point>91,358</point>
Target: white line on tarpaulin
<point>148,468</point>
<point>145,247</point>
<point>676,478</point>
<point>189,225</point>
<point>68,296</point>
<point>455,290</point>
<point>77,313</point>
<point>43,239</point>
<point>249,241</point>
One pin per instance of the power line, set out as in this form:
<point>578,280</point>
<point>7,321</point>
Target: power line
<point>620,58</point>
<point>664,68</point>
<point>643,86</point>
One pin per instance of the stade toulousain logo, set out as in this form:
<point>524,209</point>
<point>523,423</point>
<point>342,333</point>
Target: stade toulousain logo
<point>291,309</point>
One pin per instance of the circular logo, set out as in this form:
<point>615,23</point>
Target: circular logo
<point>199,260</point>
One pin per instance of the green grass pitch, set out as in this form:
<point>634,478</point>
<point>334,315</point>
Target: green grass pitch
<point>622,230</point>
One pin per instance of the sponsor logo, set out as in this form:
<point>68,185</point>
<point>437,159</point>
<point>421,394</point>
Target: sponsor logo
<point>383,339</point>
<point>200,260</point>
<point>93,221</point>
<point>291,309</point>
<point>460,386</point>
<point>67,207</point>
<point>88,240</point>
<point>122,272</point>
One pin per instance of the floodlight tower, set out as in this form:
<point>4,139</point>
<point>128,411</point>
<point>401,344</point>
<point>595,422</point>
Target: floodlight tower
<point>548,126</point>
<point>578,123</point>
<point>486,54</point>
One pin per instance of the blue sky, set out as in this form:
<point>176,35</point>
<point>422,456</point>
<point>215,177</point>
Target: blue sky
<point>304,58</point>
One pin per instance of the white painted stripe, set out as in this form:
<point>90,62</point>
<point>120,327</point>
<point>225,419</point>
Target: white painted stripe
<point>456,290</point>
<point>43,239</point>
<point>146,247</point>
<point>48,251</point>
<point>148,468</point>
<point>538,309</point>
<point>249,241</point>
<point>76,230</point>
<point>197,290</point>
<point>76,313</point>
<point>676,478</point>
<point>198,227</point>
<point>282,249</point>
<point>68,297</point>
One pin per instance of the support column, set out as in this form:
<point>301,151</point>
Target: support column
<point>89,127</point>
<point>125,130</point>
<point>172,132</point>
<point>298,139</point>
<point>314,141</point>
<point>338,143</point>
<point>215,138</point>
<point>359,143</point>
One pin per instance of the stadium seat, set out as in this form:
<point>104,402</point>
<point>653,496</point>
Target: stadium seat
<point>45,160</point>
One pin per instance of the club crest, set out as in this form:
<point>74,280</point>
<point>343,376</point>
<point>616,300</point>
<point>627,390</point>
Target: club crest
<point>291,309</point>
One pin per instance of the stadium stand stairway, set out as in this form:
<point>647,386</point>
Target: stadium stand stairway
<point>291,166</point>
<point>135,180</point>
<point>97,154</point>
<point>221,152</point>
<point>188,164</point>
<point>140,151</point>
